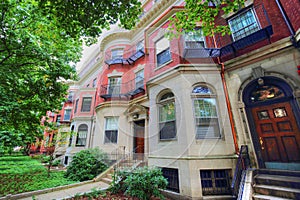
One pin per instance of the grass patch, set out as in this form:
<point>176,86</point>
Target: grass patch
<point>23,174</point>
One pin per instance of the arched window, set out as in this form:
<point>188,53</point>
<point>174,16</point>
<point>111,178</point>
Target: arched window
<point>205,112</point>
<point>167,119</point>
<point>82,134</point>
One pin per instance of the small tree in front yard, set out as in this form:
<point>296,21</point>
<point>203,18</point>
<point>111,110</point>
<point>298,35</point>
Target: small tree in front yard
<point>142,183</point>
<point>86,165</point>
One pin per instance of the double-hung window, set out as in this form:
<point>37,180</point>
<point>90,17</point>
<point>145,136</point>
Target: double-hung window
<point>167,119</point>
<point>81,135</point>
<point>205,112</point>
<point>194,39</point>
<point>163,54</point>
<point>243,24</point>
<point>111,130</point>
<point>140,46</point>
<point>114,85</point>
<point>116,53</point>
<point>139,79</point>
<point>67,115</point>
<point>86,104</point>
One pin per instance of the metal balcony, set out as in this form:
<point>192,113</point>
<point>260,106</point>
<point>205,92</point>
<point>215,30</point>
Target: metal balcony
<point>133,56</point>
<point>233,48</point>
<point>124,90</point>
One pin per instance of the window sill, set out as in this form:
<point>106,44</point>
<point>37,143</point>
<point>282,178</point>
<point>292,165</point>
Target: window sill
<point>168,140</point>
<point>163,65</point>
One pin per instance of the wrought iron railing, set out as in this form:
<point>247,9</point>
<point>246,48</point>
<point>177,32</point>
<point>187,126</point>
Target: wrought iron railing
<point>128,57</point>
<point>243,163</point>
<point>226,48</point>
<point>127,90</point>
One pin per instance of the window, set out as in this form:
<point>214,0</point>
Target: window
<point>86,104</point>
<point>88,85</point>
<point>81,135</point>
<point>111,130</point>
<point>76,105</point>
<point>114,85</point>
<point>116,53</point>
<point>70,96</point>
<point>163,54</point>
<point>167,122</point>
<point>94,82</point>
<point>58,120</point>
<point>243,24</point>
<point>194,39</point>
<point>67,115</point>
<point>140,46</point>
<point>71,136</point>
<point>205,111</point>
<point>215,182</point>
<point>173,180</point>
<point>139,79</point>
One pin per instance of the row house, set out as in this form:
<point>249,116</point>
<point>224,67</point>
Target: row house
<point>187,105</point>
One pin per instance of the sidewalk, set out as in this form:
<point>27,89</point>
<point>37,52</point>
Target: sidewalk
<point>69,191</point>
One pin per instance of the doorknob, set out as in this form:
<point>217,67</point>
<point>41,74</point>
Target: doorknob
<point>261,143</point>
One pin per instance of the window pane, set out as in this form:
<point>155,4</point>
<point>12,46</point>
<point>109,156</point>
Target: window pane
<point>111,136</point>
<point>194,39</point>
<point>205,108</point>
<point>202,90</point>
<point>167,112</point>
<point>163,57</point>
<point>243,24</point>
<point>116,53</point>
<point>173,180</point>
<point>167,130</point>
<point>67,115</point>
<point>86,104</point>
<point>114,85</point>
<point>162,45</point>
<point>76,105</point>
<point>111,123</point>
<point>139,80</point>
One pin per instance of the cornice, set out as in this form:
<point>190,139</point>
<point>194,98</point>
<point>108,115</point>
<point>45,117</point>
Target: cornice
<point>179,69</point>
<point>258,54</point>
<point>110,104</point>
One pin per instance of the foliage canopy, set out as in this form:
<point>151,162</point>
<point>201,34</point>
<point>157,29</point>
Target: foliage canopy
<point>40,42</point>
<point>203,12</point>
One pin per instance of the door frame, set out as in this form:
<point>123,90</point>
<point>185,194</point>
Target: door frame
<point>288,97</point>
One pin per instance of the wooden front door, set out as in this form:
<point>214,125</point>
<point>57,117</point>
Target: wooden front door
<point>278,133</point>
<point>139,140</point>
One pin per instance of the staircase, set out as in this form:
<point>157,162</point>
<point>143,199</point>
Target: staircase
<point>276,184</point>
<point>130,160</point>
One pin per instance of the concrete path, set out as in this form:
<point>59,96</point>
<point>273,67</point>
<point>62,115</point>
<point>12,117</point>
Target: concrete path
<point>69,191</point>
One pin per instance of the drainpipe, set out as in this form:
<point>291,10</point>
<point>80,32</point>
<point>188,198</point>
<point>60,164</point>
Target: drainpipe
<point>229,109</point>
<point>288,23</point>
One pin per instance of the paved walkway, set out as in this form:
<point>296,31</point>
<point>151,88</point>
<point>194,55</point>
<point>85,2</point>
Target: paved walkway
<point>69,191</point>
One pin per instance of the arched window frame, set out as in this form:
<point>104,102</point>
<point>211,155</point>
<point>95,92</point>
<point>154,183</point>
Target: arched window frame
<point>166,121</point>
<point>207,125</point>
<point>81,135</point>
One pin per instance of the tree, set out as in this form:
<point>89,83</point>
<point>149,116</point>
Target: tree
<point>39,43</point>
<point>205,13</point>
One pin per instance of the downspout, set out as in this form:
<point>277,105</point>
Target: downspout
<point>229,109</point>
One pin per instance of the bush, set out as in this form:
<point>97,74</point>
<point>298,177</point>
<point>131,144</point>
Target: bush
<point>86,165</point>
<point>142,183</point>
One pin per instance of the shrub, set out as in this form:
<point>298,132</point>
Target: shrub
<point>86,165</point>
<point>142,183</point>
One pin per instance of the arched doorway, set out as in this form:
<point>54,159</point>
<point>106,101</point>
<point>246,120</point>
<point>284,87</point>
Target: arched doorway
<point>273,116</point>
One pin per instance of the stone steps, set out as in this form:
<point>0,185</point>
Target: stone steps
<point>276,184</point>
